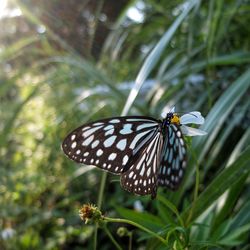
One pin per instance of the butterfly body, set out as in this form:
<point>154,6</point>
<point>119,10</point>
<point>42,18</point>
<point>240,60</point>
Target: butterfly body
<point>146,152</point>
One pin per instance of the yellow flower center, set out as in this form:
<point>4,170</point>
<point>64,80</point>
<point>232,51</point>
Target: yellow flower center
<point>175,119</point>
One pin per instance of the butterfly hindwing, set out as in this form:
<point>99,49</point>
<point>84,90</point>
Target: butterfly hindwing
<point>173,159</point>
<point>110,143</point>
<point>141,177</point>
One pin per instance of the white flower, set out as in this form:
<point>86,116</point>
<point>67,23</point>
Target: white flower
<point>7,233</point>
<point>193,117</point>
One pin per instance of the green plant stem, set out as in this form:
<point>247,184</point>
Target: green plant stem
<point>196,188</point>
<point>95,236</point>
<point>99,204</point>
<point>117,220</point>
<point>130,235</point>
<point>101,191</point>
<point>111,237</point>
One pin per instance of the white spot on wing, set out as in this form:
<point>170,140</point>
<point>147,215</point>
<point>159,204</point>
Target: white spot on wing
<point>90,131</point>
<point>109,132</point>
<point>73,137</point>
<point>169,171</point>
<point>108,142</point>
<point>86,154</point>
<point>183,150</point>
<point>178,134</point>
<point>153,152</point>
<point>180,173</point>
<point>122,144</point>
<point>149,171</point>
<point>142,170</point>
<point>112,156</point>
<point>114,121</point>
<point>164,170</point>
<point>109,127</point>
<point>99,152</point>
<point>126,129</point>
<point>95,143</point>
<point>98,124</point>
<point>154,165</point>
<point>88,141</point>
<point>73,145</point>
<point>125,160</point>
<point>131,174</point>
<point>184,164</point>
<point>85,128</point>
<point>141,161</point>
<point>137,138</point>
<point>170,157</point>
<point>146,125</point>
<point>181,142</point>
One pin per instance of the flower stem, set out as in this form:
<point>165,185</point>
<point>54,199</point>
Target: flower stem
<point>99,203</point>
<point>196,188</point>
<point>95,236</point>
<point>101,191</point>
<point>111,237</point>
<point>130,241</point>
<point>117,220</point>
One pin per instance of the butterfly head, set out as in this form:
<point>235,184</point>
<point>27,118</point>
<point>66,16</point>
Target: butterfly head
<point>172,118</point>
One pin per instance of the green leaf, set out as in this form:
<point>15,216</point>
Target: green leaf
<point>220,112</point>
<point>242,216</point>
<point>155,55</point>
<point>232,238</point>
<point>144,218</point>
<point>220,184</point>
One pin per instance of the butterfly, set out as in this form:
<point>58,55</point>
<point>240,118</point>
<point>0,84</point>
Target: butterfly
<point>145,152</point>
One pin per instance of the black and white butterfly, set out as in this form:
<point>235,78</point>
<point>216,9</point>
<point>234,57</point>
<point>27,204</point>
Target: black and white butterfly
<point>146,152</point>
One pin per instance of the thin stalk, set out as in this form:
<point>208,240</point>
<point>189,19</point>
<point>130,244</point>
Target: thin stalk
<point>130,241</point>
<point>101,190</point>
<point>117,220</point>
<point>95,236</point>
<point>99,204</point>
<point>196,188</point>
<point>111,237</point>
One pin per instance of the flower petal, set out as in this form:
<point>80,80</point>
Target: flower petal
<point>194,117</point>
<point>192,131</point>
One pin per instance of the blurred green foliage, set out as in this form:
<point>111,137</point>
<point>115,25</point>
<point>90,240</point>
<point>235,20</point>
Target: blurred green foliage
<point>58,73</point>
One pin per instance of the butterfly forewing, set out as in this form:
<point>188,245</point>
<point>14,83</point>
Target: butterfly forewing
<point>173,158</point>
<point>141,177</point>
<point>110,143</point>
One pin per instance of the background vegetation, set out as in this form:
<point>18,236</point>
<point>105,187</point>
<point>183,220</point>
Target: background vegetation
<point>64,63</point>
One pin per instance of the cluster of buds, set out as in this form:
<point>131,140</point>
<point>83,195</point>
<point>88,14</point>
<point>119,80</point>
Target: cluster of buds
<point>90,213</point>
